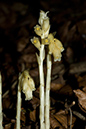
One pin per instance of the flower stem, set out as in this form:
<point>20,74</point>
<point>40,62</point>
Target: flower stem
<point>18,107</point>
<point>47,101</point>
<point>1,102</point>
<point>41,74</point>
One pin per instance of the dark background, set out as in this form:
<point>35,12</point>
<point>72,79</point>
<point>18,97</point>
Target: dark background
<point>68,20</point>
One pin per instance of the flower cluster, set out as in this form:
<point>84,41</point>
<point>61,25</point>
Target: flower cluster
<point>42,30</point>
<point>55,47</point>
<point>44,26</point>
<point>27,84</point>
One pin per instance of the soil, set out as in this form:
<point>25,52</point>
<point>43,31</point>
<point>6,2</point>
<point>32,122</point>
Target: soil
<point>17,53</point>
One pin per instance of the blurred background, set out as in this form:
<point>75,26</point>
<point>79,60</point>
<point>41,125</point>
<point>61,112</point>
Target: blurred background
<point>17,53</point>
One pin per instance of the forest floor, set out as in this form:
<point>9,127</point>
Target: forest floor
<point>17,53</point>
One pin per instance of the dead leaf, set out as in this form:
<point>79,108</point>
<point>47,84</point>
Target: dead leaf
<point>8,126</point>
<point>55,87</point>
<point>30,58</point>
<point>33,115</point>
<point>81,97</point>
<point>69,55</point>
<point>66,90</point>
<point>81,27</point>
<point>84,89</point>
<point>64,119</point>
<point>34,102</point>
<point>6,102</point>
<point>21,43</point>
<point>54,123</point>
<point>81,80</point>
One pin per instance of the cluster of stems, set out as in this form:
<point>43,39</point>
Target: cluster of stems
<point>54,47</point>
<point>44,96</point>
<point>26,83</point>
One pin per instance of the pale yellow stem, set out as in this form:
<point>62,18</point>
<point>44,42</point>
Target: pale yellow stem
<point>41,74</point>
<point>47,100</point>
<point>18,107</point>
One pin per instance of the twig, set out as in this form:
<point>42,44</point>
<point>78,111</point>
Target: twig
<point>79,115</point>
<point>70,118</point>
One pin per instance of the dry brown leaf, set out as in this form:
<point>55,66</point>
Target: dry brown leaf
<point>81,98</point>
<point>81,80</point>
<point>81,27</point>
<point>6,102</point>
<point>54,123</point>
<point>30,58</point>
<point>69,55</point>
<point>66,90</point>
<point>33,115</point>
<point>62,117</point>
<point>34,102</point>
<point>8,126</point>
<point>21,43</point>
<point>34,72</point>
<point>84,89</point>
<point>55,87</point>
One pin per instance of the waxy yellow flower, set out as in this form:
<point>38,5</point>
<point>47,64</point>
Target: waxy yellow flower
<point>27,84</point>
<point>55,47</point>
<point>42,30</point>
<point>36,42</point>
<point>38,30</point>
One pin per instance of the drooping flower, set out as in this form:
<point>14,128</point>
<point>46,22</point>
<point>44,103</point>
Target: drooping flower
<point>27,85</point>
<point>36,42</point>
<point>55,47</point>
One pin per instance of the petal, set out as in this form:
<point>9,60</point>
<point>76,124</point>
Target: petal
<point>46,24</point>
<point>57,55</point>
<point>28,95</point>
<point>51,37</point>
<point>51,47</point>
<point>58,44</point>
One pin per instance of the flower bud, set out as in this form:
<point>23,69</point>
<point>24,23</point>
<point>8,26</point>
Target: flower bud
<point>42,16</point>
